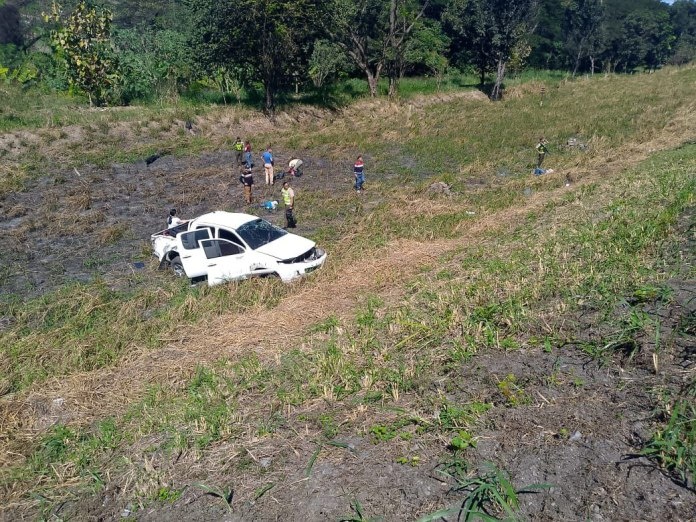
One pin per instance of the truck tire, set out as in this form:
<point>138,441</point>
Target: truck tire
<point>177,266</point>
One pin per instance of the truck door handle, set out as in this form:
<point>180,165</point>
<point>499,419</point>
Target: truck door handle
<point>214,264</point>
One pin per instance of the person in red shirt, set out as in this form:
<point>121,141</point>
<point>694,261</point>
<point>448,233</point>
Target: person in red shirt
<point>359,173</point>
<point>247,155</point>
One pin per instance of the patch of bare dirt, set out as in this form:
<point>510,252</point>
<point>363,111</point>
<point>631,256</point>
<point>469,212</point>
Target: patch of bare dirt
<point>88,222</point>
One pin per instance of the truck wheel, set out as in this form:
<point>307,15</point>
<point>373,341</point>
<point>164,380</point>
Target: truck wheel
<point>177,267</point>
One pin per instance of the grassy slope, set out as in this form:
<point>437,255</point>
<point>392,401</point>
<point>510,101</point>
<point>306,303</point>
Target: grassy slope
<point>532,257</point>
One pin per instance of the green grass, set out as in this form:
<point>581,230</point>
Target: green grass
<point>27,109</point>
<point>84,327</point>
<point>489,136</point>
<point>488,495</point>
<point>393,351</point>
<point>590,250</point>
<point>673,444</point>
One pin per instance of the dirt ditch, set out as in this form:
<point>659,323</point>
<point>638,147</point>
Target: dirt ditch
<point>75,225</point>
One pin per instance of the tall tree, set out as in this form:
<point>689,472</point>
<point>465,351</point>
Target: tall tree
<point>646,39</point>
<point>82,41</point>
<point>425,52</point>
<point>356,27</point>
<point>494,29</point>
<point>265,40</point>
<point>374,34</point>
<point>683,17</point>
<point>548,50</point>
<point>403,18</point>
<point>626,45</point>
<point>583,27</point>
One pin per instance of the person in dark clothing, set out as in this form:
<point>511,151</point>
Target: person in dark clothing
<point>172,219</point>
<point>247,179</point>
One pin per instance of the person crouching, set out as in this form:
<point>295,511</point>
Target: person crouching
<point>295,167</point>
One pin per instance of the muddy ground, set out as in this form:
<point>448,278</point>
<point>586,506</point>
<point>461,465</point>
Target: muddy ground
<point>75,225</point>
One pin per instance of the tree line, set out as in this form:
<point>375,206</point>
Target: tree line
<point>136,50</point>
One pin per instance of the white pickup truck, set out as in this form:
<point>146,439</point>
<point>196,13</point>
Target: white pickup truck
<point>225,246</point>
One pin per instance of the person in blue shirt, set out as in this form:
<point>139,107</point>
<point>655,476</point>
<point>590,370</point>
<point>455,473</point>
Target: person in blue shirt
<point>268,166</point>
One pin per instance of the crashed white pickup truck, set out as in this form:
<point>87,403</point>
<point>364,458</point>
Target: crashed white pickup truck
<point>225,246</point>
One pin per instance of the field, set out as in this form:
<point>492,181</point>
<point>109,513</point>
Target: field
<point>481,343</point>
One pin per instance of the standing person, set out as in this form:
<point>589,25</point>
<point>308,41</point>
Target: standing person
<point>247,179</point>
<point>289,200</point>
<point>268,166</point>
<point>359,173</point>
<point>541,151</point>
<point>238,149</point>
<point>247,154</point>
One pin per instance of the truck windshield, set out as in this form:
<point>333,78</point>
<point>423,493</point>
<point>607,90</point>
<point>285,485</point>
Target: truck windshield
<point>259,232</point>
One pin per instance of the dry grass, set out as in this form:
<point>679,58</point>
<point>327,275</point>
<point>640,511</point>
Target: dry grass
<point>335,291</point>
<point>78,202</point>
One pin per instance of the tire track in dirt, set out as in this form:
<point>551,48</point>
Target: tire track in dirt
<point>110,391</point>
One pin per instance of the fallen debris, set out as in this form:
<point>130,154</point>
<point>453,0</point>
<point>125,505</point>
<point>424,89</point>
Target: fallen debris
<point>440,187</point>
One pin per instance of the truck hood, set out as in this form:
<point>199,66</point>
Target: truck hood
<point>286,247</point>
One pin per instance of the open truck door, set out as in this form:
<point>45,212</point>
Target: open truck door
<point>192,255</point>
